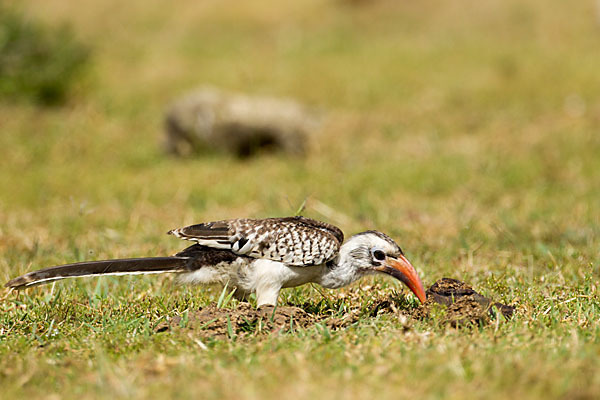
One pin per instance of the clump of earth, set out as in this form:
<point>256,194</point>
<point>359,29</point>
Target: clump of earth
<point>463,307</point>
<point>245,319</point>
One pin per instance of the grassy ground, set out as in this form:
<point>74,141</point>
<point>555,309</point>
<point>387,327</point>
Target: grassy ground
<point>468,131</point>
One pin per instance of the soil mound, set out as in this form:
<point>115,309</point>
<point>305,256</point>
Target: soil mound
<point>220,323</point>
<point>464,307</point>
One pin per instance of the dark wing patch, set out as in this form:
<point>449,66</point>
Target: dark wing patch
<point>203,256</point>
<point>294,241</point>
<point>240,243</point>
<point>211,234</point>
<point>210,230</point>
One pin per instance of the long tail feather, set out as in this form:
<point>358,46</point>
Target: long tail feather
<point>126,266</point>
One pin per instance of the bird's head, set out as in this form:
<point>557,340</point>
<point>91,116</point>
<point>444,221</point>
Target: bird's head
<point>374,252</point>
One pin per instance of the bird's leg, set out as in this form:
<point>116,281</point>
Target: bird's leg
<point>267,295</point>
<point>266,279</point>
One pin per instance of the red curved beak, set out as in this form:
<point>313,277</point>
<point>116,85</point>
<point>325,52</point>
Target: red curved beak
<point>400,268</point>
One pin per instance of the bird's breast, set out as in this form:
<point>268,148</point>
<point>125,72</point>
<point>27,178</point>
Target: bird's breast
<point>274,273</point>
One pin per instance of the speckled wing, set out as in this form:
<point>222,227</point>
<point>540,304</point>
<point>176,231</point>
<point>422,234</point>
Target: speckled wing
<point>294,241</point>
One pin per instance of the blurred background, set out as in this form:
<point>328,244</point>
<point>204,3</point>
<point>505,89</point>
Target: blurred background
<point>452,126</point>
<point>468,131</point>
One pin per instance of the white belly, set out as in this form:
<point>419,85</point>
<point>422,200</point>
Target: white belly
<point>263,277</point>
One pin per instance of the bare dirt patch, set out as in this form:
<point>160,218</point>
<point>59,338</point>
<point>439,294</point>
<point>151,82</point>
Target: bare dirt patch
<point>220,323</point>
<point>464,306</point>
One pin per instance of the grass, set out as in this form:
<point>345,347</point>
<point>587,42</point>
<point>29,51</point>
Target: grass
<point>467,131</point>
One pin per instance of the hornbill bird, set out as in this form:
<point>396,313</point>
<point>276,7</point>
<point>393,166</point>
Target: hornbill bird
<point>259,256</point>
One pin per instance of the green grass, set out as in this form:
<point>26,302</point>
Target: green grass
<point>467,131</point>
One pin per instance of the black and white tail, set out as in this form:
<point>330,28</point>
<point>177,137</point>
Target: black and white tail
<point>125,266</point>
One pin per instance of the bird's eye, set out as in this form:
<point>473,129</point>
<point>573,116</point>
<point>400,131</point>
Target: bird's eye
<point>379,255</point>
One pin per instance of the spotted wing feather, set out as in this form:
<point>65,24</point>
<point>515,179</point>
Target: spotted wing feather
<point>295,241</point>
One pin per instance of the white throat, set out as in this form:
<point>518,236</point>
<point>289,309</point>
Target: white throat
<point>348,266</point>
